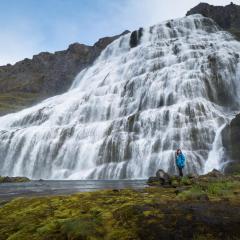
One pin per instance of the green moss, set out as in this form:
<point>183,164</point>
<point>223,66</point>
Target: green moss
<point>13,179</point>
<point>15,101</point>
<point>185,181</point>
<point>149,213</point>
<point>195,193</point>
<point>235,32</point>
<point>220,188</point>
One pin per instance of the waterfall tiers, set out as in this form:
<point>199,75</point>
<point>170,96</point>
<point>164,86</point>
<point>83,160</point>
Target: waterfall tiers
<point>124,117</point>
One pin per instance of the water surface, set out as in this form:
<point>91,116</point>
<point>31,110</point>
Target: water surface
<point>61,187</point>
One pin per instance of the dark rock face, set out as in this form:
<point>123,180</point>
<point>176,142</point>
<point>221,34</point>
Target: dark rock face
<point>227,17</point>
<point>231,142</point>
<point>136,37</point>
<point>46,74</point>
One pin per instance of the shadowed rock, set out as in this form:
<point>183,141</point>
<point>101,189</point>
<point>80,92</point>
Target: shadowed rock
<point>231,142</point>
<point>227,17</point>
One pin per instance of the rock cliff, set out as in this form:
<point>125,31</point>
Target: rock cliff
<point>231,142</point>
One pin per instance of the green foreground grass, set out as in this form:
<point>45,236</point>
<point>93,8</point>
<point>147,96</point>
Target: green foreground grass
<point>150,213</point>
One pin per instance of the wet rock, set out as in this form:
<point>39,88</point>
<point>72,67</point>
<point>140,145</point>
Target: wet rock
<point>181,189</point>
<point>136,37</point>
<point>163,177</point>
<point>231,143</point>
<point>214,173</point>
<point>153,181</point>
<point>116,190</point>
<point>203,197</point>
<point>192,175</point>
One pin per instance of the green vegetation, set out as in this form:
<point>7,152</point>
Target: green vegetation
<point>235,32</point>
<point>13,179</point>
<point>15,101</point>
<point>205,208</point>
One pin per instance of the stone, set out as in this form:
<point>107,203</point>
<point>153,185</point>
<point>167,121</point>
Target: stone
<point>203,197</point>
<point>163,177</point>
<point>214,173</point>
<point>181,189</point>
<point>153,181</point>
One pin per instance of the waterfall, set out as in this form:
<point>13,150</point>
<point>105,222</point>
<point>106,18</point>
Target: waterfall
<point>125,116</point>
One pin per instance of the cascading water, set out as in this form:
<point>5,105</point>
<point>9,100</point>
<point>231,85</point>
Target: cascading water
<point>125,116</point>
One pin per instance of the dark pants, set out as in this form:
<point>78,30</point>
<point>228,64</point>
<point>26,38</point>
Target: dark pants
<point>180,171</point>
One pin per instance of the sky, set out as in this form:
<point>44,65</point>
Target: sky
<point>28,27</point>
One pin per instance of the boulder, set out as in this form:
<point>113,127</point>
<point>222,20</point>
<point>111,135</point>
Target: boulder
<point>163,177</point>
<point>153,181</point>
<point>214,173</point>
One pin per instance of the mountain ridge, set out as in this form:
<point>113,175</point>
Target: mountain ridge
<point>227,17</point>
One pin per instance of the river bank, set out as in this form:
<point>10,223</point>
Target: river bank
<point>204,208</point>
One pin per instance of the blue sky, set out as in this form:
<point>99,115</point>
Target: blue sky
<point>28,27</point>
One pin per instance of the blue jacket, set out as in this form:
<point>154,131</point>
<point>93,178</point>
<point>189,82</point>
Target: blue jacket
<point>180,160</point>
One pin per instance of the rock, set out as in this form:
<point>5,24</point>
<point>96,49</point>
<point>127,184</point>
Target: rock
<point>116,190</point>
<point>163,177</point>
<point>181,189</point>
<point>192,175</point>
<point>214,173</point>
<point>227,17</point>
<point>203,197</point>
<point>231,143</point>
<point>153,181</point>
<point>136,37</point>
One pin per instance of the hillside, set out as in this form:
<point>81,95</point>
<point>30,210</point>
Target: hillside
<point>46,74</point>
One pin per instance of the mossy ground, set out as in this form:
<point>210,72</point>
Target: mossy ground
<point>13,179</point>
<point>150,213</point>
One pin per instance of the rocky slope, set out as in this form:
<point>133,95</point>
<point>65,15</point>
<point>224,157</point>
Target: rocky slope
<point>46,74</point>
<point>227,17</point>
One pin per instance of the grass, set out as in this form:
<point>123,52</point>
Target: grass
<point>15,101</point>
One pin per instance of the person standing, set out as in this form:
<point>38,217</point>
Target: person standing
<point>180,161</point>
